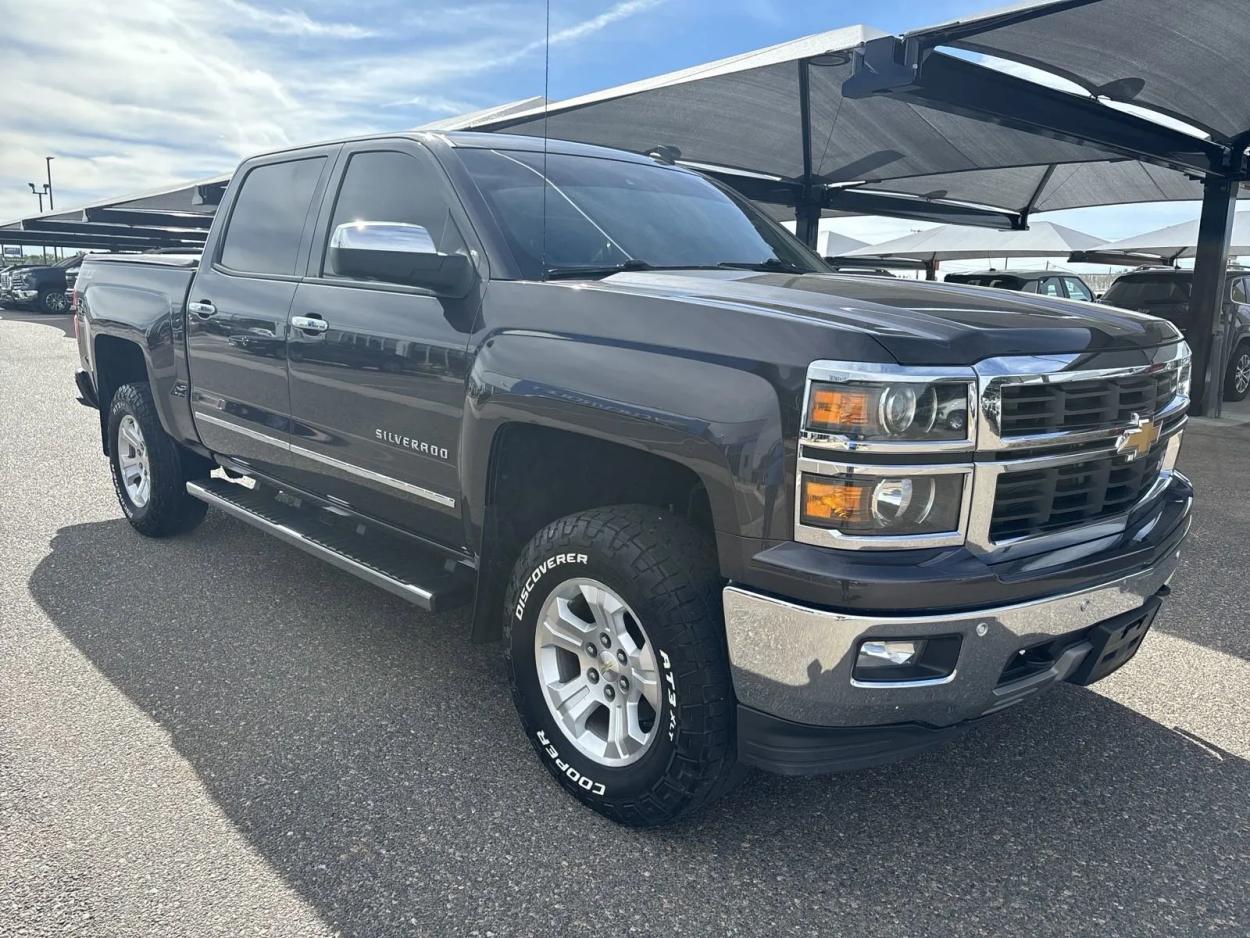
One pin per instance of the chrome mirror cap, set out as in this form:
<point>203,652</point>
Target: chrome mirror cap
<point>391,236</point>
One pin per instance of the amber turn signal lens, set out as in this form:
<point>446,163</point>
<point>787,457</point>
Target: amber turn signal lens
<point>836,501</point>
<point>838,408</point>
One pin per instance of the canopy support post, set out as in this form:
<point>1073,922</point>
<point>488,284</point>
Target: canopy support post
<point>1206,299</point>
<point>931,268</point>
<point>807,223</point>
<point>808,209</point>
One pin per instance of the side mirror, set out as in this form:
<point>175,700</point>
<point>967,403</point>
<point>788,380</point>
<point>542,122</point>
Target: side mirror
<point>395,252</point>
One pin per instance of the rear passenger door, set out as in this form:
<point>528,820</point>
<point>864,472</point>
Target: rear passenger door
<point>378,386</point>
<point>238,306</point>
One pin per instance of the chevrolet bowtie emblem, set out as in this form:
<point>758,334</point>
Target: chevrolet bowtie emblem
<point>1137,439</point>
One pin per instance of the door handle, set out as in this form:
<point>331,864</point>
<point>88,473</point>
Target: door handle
<point>202,308</point>
<point>310,323</point>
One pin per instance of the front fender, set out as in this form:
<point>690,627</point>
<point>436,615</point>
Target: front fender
<point>721,421</point>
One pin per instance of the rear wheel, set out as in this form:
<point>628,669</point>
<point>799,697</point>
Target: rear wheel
<point>148,469</point>
<point>1237,382</point>
<point>618,664</point>
<point>53,301</point>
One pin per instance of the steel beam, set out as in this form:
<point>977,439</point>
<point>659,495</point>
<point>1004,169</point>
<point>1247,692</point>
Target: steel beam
<point>911,71</point>
<point>136,216</point>
<point>1208,313</point>
<point>96,242</point>
<point>110,231</point>
<point>916,208</point>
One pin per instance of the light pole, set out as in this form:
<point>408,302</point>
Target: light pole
<point>47,160</point>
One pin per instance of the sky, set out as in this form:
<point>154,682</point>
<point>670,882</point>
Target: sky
<point>155,92</point>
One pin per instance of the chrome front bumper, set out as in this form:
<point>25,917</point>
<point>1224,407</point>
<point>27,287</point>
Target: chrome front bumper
<point>795,662</point>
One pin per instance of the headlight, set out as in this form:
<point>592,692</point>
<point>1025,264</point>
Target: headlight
<point>898,411</point>
<point>894,505</point>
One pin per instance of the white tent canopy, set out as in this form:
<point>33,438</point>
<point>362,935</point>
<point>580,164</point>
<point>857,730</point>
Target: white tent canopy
<point>1177,241</point>
<point>954,242</point>
<point>832,244</point>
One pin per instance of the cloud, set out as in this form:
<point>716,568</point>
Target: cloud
<point>163,91</point>
<point>293,22</point>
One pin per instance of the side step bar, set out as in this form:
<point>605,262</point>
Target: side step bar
<point>387,560</point>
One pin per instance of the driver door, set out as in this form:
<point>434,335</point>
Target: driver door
<point>378,382</point>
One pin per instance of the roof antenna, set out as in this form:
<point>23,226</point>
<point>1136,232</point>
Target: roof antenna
<point>546,109</point>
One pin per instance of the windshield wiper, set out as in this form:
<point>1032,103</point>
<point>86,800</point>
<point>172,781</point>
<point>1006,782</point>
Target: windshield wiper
<point>773,263</point>
<point>606,270</point>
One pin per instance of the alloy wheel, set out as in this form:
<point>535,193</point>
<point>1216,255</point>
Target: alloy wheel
<point>598,672</point>
<point>132,460</point>
<point>1241,372</point>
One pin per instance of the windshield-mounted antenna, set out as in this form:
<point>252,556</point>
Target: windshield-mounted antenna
<point>546,109</point>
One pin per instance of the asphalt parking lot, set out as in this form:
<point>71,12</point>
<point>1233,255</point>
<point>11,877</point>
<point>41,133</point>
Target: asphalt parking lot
<point>215,735</point>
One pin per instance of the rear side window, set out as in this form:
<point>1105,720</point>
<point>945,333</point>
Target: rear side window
<point>1050,287</point>
<point>1145,293</point>
<point>397,187</point>
<point>267,221</point>
<point>1238,293</point>
<point>1077,289</point>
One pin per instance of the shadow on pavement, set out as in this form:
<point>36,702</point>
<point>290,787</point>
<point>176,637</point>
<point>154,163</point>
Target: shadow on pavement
<point>370,753</point>
<point>64,322</point>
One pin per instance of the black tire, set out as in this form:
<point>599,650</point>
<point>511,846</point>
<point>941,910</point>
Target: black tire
<point>1238,365</point>
<point>666,572</point>
<point>169,509</point>
<point>53,301</point>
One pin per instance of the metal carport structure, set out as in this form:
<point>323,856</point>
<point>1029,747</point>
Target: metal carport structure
<point>163,219</point>
<point>918,126</point>
<point>855,121</point>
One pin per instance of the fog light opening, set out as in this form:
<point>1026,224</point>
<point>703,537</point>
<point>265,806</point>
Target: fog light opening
<point>892,660</point>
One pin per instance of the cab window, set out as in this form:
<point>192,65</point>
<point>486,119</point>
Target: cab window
<point>267,220</point>
<point>389,186</point>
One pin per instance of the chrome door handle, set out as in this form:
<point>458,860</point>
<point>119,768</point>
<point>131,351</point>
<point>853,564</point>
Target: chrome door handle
<point>310,323</point>
<point>202,308</point>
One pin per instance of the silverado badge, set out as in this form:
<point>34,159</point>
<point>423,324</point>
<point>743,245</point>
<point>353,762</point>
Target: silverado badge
<point>1138,438</point>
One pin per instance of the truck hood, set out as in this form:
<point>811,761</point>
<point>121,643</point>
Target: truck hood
<point>915,321</point>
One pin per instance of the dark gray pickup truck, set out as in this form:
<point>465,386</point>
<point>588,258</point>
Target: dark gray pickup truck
<point>723,507</point>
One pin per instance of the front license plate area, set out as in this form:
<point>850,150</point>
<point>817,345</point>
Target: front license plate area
<point>1115,642</point>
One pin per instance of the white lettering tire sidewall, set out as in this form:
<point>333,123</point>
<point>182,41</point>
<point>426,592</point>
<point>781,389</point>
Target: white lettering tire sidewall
<point>575,771</point>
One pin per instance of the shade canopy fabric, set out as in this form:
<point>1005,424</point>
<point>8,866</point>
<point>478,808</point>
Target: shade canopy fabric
<point>743,114</point>
<point>832,244</point>
<point>1177,241</point>
<point>953,242</point>
<point>1185,60</point>
<point>1144,53</point>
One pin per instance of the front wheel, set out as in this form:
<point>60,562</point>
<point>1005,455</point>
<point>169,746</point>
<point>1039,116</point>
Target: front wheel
<point>148,470</point>
<point>618,665</point>
<point>1237,383</point>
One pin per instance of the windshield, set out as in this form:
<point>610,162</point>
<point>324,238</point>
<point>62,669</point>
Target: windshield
<point>604,213</point>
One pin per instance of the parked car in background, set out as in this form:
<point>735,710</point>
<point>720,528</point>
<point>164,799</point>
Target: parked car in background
<point>41,286</point>
<point>1164,292</point>
<point>1060,283</point>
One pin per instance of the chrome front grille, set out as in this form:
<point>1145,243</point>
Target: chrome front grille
<point>1084,405</point>
<point>1038,501</point>
<point>1056,443</point>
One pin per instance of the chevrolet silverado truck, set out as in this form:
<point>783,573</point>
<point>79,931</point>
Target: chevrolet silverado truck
<point>44,287</point>
<point>723,507</point>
